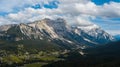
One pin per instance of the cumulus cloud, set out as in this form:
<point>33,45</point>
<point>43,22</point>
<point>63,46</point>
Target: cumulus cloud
<point>13,5</point>
<point>66,10</point>
<point>73,8</point>
<point>74,11</point>
<point>114,32</point>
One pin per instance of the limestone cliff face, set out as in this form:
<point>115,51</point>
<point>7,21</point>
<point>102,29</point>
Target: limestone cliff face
<point>56,30</point>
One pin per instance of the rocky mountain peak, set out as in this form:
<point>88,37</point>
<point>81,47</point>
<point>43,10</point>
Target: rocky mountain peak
<point>60,30</point>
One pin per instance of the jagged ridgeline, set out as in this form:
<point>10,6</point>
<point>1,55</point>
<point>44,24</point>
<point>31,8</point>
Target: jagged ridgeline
<point>53,34</point>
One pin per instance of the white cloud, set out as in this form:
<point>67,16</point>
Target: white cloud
<point>113,32</point>
<point>74,11</point>
<point>110,10</point>
<point>73,8</point>
<point>4,21</point>
<point>11,5</point>
<point>106,10</point>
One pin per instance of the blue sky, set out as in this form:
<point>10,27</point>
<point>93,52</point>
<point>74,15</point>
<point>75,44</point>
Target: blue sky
<point>101,2</point>
<point>104,13</point>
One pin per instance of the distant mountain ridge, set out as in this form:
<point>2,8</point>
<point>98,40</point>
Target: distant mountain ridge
<point>57,31</point>
<point>117,37</point>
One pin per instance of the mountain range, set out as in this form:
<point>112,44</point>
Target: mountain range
<point>56,31</point>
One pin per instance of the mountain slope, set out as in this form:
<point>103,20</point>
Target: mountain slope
<point>102,56</point>
<point>56,31</point>
<point>117,37</point>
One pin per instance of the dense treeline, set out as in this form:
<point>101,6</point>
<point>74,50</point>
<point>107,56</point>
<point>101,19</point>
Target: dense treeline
<point>35,53</point>
<point>101,56</point>
<point>19,53</point>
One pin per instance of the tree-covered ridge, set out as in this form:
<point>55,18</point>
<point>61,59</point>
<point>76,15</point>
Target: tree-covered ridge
<point>102,56</point>
<point>24,53</point>
<point>19,53</point>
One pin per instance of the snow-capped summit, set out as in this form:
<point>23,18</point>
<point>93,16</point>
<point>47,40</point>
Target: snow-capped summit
<point>93,34</point>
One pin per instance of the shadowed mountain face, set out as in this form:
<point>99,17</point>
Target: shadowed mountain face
<point>117,37</point>
<point>56,31</point>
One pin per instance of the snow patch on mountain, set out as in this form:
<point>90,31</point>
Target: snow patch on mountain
<point>59,30</point>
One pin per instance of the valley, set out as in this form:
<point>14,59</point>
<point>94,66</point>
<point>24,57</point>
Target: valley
<point>52,43</point>
<point>59,33</point>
